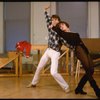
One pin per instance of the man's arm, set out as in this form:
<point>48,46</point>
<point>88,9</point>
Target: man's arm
<point>48,18</point>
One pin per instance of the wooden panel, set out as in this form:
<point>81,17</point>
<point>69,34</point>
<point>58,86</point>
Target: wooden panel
<point>93,44</point>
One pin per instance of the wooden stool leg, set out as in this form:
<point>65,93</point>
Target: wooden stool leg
<point>77,69</point>
<point>72,62</point>
<point>16,66</point>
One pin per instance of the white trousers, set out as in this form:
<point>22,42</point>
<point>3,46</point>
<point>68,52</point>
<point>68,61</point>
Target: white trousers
<point>54,56</point>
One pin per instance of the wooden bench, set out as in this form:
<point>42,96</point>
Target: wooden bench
<point>12,57</point>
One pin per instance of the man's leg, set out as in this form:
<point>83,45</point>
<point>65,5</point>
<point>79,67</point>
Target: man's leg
<point>40,66</point>
<point>55,74</point>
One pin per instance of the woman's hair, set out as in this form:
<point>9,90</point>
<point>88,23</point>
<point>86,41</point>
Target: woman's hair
<point>63,22</point>
<point>56,17</point>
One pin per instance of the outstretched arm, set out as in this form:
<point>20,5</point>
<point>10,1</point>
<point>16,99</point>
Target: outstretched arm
<point>47,17</point>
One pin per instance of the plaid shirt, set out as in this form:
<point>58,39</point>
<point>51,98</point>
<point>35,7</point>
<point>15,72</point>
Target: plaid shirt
<point>54,41</point>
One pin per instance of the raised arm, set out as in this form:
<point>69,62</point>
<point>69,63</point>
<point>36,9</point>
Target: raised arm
<point>47,17</point>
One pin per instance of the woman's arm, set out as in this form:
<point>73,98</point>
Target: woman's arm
<point>70,37</point>
<point>59,32</point>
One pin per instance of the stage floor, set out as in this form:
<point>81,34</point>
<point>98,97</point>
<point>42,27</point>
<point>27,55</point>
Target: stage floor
<point>47,88</point>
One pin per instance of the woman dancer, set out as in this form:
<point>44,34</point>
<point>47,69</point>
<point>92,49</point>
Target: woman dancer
<point>82,54</point>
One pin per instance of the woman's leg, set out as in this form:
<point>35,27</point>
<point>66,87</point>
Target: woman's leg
<point>81,84</point>
<point>81,53</point>
<point>87,63</point>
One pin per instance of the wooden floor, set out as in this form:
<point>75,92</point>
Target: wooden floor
<point>14,87</point>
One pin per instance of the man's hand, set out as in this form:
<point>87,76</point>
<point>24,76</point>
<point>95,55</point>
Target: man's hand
<point>46,8</point>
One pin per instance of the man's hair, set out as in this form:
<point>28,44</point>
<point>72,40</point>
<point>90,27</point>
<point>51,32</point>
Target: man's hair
<point>56,17</point>
<point>63,22</point>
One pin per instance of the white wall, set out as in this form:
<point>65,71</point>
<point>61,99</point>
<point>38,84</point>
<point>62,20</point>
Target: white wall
<point>39,33</point>
<point>1,27</point>
<point>93,19</point>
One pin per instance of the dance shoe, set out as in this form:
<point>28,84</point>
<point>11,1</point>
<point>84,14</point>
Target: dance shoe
<point>31,85</point>
<point>67,90</point>
<point>80,92</point>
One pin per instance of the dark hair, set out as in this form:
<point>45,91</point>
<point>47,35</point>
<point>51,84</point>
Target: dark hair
<point>56,17</point>
<point>63,22</point>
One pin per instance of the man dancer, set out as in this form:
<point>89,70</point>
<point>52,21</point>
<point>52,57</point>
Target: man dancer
<point>52,52</point>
